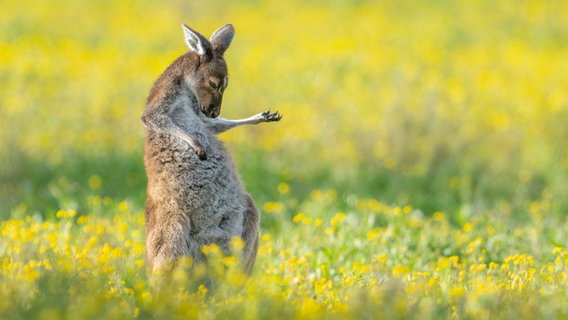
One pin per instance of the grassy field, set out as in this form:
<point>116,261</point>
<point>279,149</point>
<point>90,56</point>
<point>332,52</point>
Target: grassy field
<point>419,171</point>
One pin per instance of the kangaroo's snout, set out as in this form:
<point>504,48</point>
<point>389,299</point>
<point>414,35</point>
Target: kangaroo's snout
<point>211,111</point>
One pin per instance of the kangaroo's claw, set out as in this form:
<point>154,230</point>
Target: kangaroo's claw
<point>200,151</point>
<point>271,116</point>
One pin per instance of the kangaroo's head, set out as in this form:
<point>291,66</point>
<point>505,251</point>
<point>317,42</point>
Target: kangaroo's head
<point>210,77</point>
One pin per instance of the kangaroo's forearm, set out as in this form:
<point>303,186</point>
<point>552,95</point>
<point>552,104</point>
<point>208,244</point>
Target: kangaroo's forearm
<point>162,123</point>
<point>219,125</point>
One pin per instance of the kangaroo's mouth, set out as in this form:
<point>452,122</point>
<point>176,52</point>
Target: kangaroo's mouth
<point>210,112</point>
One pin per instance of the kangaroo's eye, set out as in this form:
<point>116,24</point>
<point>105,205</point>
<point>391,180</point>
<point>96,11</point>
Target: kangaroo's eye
<point>213,85</point>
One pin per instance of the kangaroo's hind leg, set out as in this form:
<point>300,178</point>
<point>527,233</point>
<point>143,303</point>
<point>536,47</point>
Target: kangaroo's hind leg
<point>250,235</point>
<point>166,239</point>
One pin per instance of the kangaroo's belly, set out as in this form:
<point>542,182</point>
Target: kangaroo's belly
<point>207,193</point>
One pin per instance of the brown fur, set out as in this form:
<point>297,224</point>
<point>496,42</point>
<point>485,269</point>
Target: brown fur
<point>195,196</point>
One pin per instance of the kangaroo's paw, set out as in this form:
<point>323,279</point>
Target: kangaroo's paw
<point>268,117</point>
<point>200,151</point>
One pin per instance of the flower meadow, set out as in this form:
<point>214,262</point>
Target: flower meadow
<point>370,261</point>
<point>419,171</point>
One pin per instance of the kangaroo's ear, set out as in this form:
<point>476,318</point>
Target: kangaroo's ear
<point>196,42</point>
<point>222,38</point>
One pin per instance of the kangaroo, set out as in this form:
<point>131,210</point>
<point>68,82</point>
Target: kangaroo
<point>194,195</point>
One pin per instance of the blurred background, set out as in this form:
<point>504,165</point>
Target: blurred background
<point>455,106</point>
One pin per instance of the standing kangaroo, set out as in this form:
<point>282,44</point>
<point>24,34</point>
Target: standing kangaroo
<point>194,196</point>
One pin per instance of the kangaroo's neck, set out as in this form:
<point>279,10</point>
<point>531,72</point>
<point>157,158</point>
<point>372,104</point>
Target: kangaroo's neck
<point>189,93</point>
<point>173,83</point>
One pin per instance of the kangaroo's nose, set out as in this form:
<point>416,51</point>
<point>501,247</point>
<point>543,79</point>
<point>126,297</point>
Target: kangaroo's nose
<point>213,113</point>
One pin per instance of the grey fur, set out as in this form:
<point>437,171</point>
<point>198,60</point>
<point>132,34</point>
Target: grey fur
<point>194,195</point>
